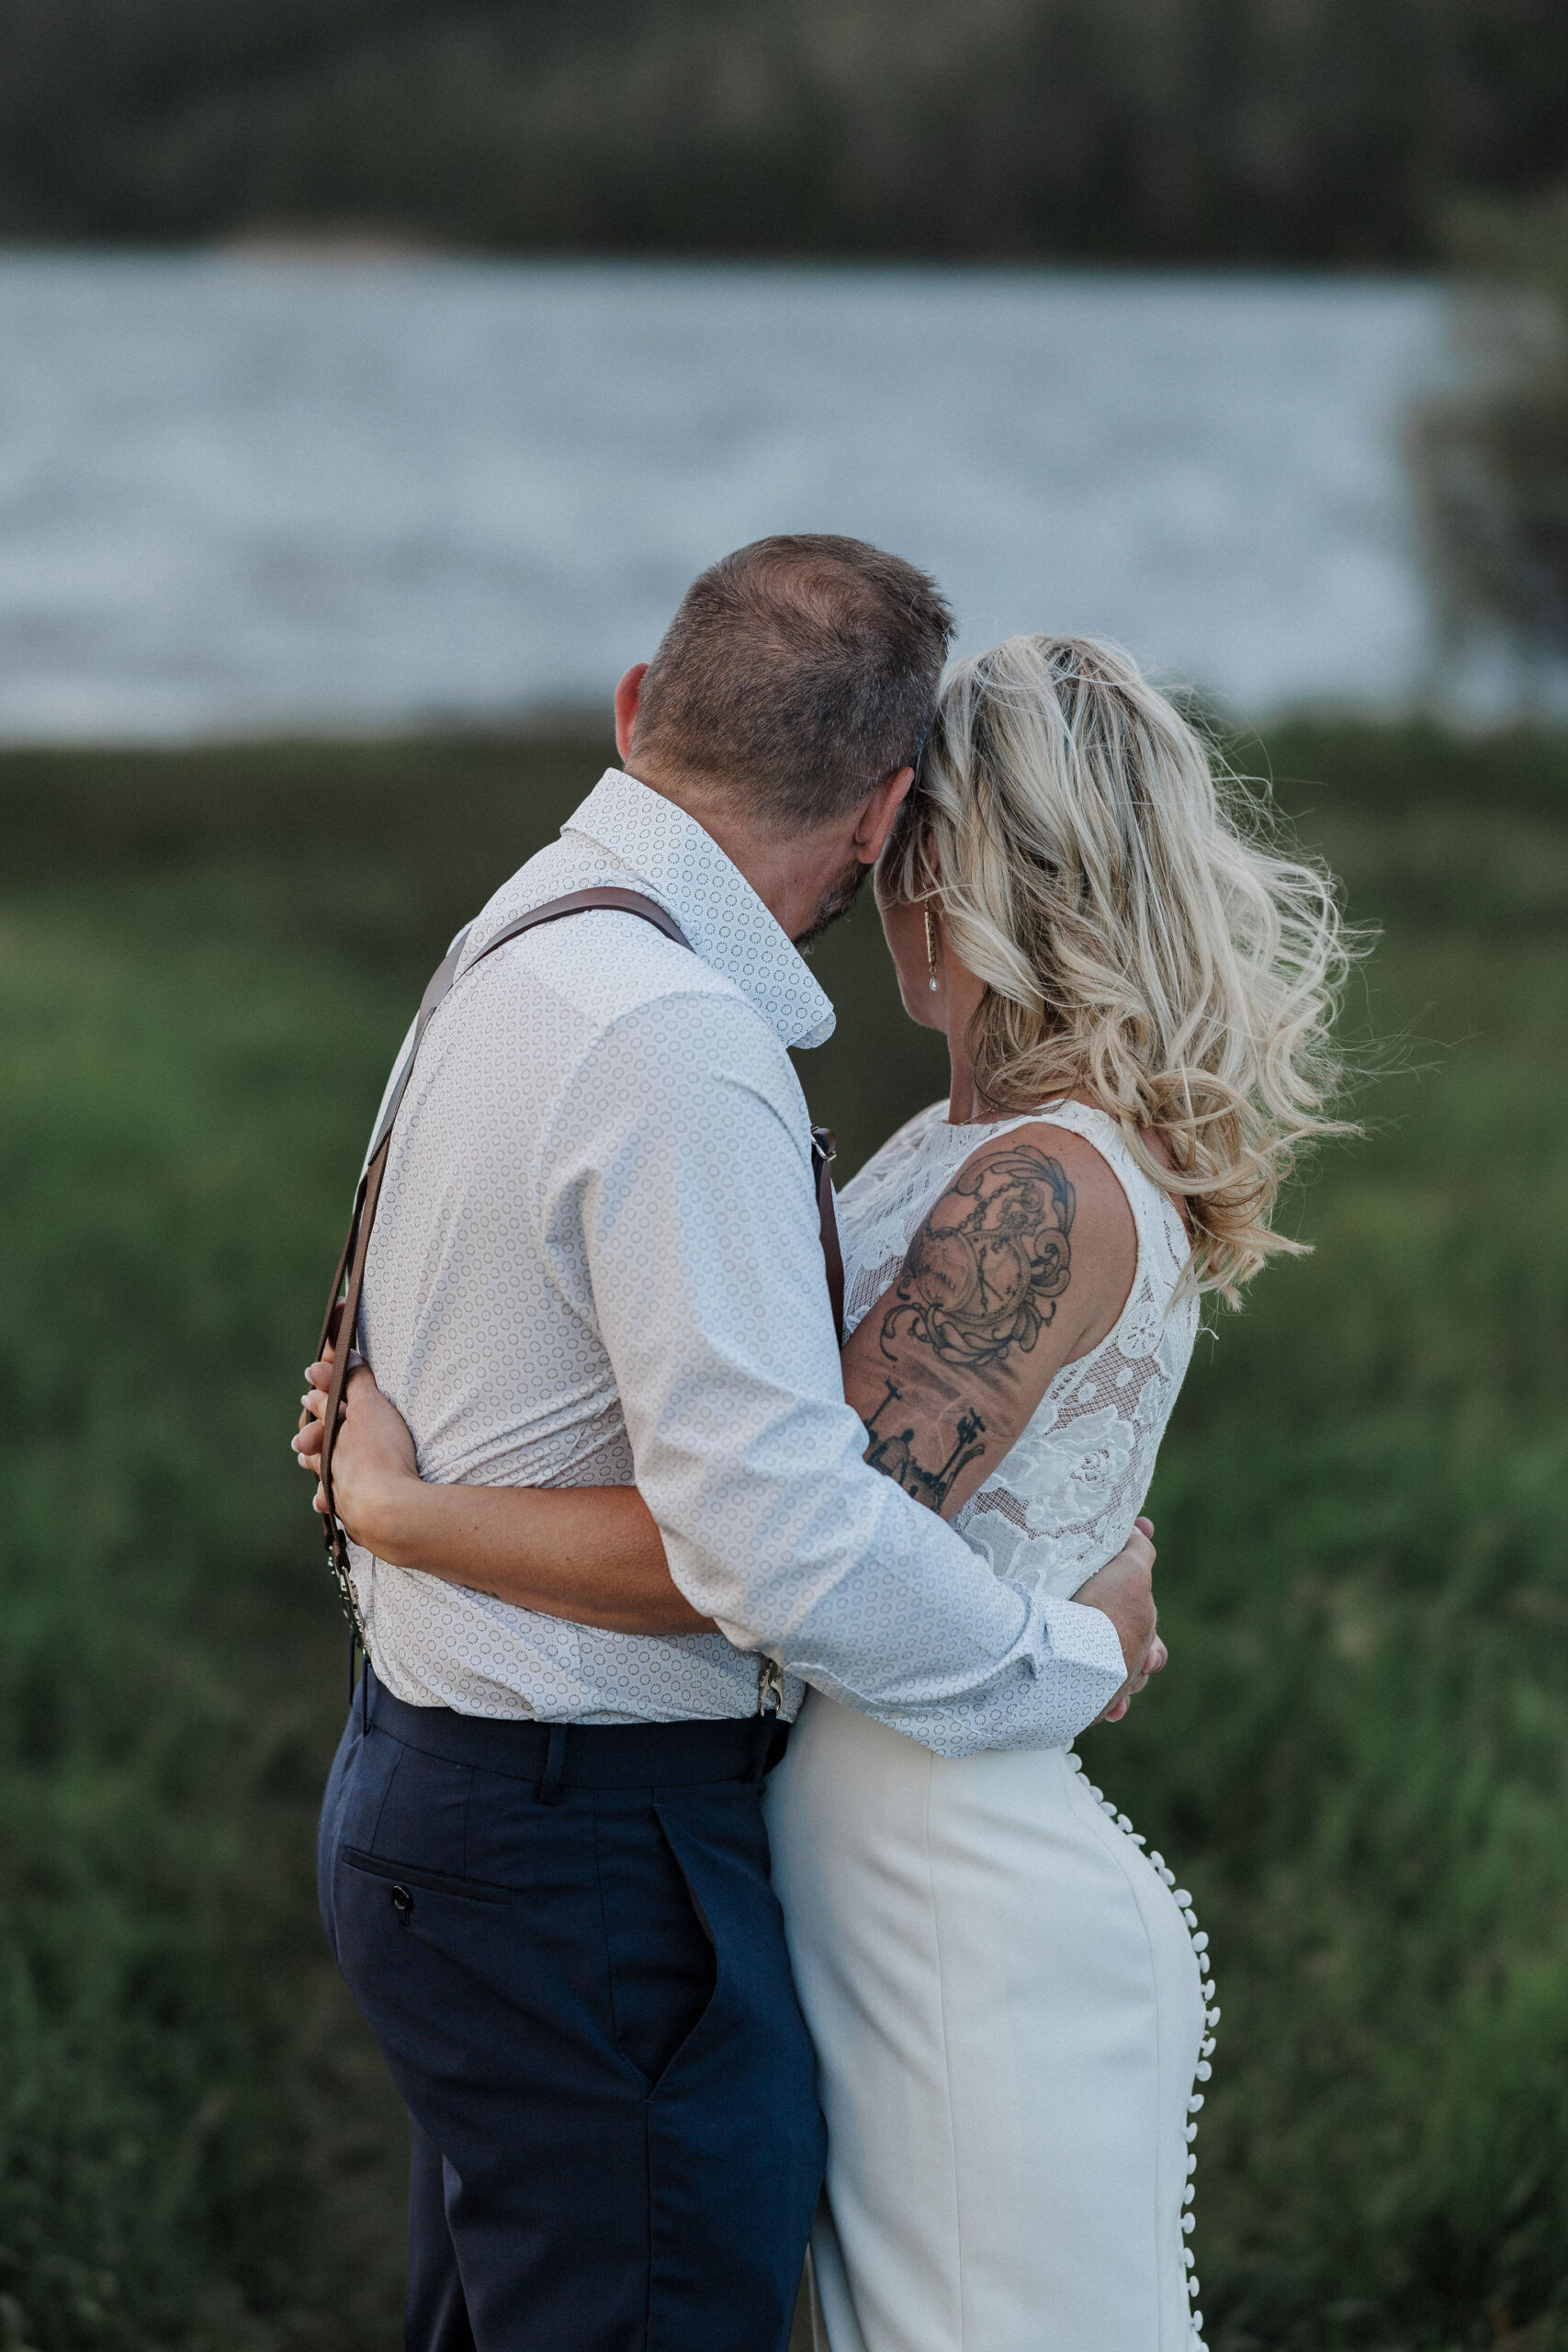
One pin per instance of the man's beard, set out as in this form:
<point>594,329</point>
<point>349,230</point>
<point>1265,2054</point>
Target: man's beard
<point>836,900</point>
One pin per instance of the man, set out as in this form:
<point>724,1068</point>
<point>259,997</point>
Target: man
<point>597,1260</point>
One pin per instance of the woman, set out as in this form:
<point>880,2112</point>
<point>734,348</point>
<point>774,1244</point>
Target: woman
<point>1006,1997</point>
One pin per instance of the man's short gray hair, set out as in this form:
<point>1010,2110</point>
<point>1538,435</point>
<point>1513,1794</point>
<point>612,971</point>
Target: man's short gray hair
<point>797,675</point>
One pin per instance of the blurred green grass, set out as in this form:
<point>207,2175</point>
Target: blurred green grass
<point>1357,1761</point>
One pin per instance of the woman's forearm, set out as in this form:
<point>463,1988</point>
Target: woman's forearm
<point>592,1553</point>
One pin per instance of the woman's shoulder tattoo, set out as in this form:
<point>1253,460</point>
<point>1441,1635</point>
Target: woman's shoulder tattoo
<point>988,1262</point>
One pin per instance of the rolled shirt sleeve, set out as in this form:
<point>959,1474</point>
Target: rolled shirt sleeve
<point>679,1156</point>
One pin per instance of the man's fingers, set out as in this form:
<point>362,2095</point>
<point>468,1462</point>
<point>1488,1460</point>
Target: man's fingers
<point>1155,1659</point>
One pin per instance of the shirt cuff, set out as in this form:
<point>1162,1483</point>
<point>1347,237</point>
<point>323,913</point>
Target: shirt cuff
<point>1084,1636</point>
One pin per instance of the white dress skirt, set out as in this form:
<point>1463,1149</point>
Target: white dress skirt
<point>1008,2004</point>
<point>1008,2013</point>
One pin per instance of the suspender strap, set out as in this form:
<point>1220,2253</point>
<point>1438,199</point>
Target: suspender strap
<point>824,1151</point>
<point>342,1318</point>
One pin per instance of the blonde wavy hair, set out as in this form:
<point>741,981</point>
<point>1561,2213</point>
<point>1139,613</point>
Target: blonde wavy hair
<point>1140,937</point>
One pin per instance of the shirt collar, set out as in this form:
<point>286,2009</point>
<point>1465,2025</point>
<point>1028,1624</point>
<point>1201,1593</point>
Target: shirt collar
<point>717,908</point>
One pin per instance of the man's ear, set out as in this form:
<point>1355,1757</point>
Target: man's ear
<point>880,814</point>
<point>628,693</point>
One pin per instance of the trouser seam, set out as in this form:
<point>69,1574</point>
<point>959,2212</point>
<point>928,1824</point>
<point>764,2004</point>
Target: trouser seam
<point>374,1839</point>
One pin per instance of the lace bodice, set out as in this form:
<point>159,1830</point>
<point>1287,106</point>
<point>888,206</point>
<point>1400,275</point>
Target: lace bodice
<point>1062,1501</point>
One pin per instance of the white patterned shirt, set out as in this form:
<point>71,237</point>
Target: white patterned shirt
<point>597,1260</point>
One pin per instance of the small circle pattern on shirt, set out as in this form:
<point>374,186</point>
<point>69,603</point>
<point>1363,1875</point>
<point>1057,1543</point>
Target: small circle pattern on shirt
<point>1200,1941</point>
<point>481,1323</point>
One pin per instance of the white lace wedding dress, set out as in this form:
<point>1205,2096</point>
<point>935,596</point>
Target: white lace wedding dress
<point>1007,1999</point>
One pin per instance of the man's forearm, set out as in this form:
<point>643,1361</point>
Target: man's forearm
<point>591,1553</point>
<point>703,1268</point>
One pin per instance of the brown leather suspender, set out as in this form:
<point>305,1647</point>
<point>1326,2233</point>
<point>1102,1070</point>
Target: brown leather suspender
<point>342,1317</point>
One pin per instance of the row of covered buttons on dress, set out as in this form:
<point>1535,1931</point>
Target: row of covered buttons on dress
<point>1206,2048</point>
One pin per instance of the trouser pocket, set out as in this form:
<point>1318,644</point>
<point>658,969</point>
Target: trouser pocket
<point>409,1875</point>
<point>736,2141</point>
<point>659,1951</point>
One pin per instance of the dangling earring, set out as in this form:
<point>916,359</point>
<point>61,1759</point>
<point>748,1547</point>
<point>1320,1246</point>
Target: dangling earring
<point>931,949</point>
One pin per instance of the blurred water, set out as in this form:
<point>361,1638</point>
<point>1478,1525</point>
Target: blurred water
<point>245,493</point>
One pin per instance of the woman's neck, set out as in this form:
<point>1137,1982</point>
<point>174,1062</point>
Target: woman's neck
<point>965,1103</point>
<point>962,994</point>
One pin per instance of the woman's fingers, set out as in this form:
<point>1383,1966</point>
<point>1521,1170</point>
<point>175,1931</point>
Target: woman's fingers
<point>313,1403</point>
<point>307,1441</point>
<point>374,1455</point>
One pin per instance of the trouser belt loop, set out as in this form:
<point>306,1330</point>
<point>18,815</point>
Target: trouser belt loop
<point>555,1765</point>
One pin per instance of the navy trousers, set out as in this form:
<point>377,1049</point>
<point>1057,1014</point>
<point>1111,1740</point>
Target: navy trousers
<point>565,1942</point>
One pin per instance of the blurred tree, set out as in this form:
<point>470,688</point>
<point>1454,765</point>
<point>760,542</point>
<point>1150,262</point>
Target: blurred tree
<point>1220,130</point>
<point>1491,460</point>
